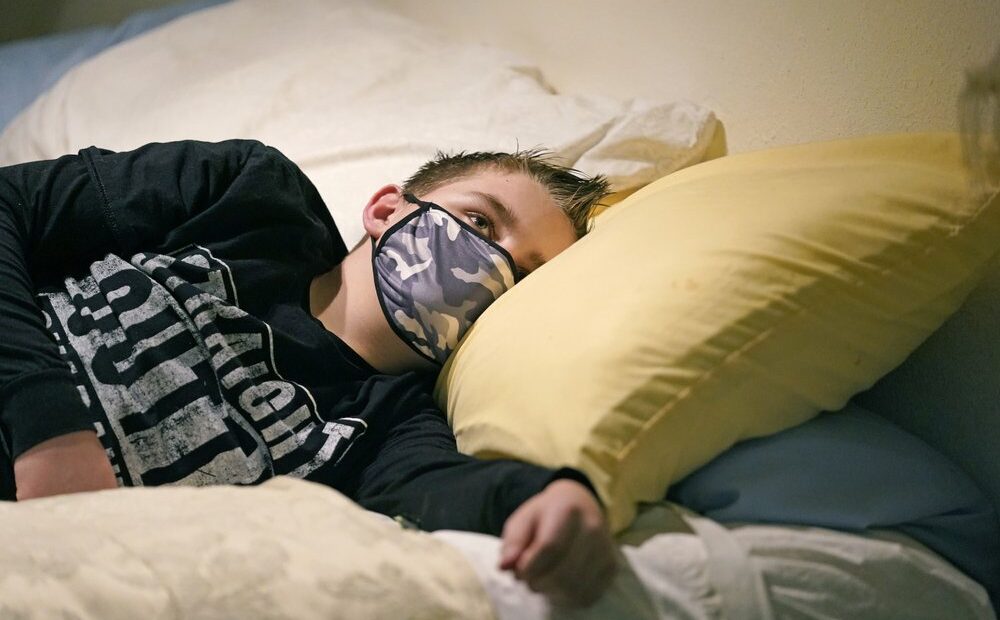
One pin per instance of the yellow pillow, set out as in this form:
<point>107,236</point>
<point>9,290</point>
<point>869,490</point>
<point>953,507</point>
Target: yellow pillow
<point>729,300</point>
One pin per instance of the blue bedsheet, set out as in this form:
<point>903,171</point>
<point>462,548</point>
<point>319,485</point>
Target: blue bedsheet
<point>853,470</point>
<point>30,67</point>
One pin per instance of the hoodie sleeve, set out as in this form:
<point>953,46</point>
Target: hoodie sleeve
<point>408,465</point>
<point>58,216</point>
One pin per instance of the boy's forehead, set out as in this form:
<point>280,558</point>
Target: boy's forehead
<point>491,176</point>
<point>516,193</point>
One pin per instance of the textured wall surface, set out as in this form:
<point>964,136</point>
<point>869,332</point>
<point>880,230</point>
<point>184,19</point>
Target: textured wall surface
<point>776,71</point>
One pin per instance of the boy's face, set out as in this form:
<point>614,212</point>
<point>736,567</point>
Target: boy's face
<point>512,209</point>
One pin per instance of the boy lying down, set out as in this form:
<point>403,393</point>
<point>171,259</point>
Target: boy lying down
<point>187,313</point>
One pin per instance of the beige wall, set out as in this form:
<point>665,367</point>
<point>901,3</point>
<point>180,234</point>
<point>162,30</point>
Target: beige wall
<point>776,71</point>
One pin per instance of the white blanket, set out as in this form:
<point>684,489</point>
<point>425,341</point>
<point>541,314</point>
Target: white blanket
<point>285,549</point>
<point>678,566</point>
<point>358,97</point>
<point>295,549</point>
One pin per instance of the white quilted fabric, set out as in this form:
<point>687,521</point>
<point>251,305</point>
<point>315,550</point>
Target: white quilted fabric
<point>285,549</point>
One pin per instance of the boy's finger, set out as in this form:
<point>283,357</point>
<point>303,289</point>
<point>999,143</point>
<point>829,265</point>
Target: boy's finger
<point>550,545</point>
<point>517,534</point>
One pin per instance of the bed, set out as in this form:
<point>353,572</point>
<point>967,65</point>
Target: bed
<point>877,508</point>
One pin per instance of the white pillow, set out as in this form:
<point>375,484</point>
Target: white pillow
<point>356,96</point>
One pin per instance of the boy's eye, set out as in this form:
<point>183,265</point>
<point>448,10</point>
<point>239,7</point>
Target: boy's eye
<point>482,223</point>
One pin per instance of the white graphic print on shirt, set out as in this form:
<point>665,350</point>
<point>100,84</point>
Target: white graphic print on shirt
<point>182,382</point>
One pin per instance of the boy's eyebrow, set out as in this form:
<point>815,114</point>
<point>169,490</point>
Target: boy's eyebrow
<point>499,209</point>
<point>505,215</point>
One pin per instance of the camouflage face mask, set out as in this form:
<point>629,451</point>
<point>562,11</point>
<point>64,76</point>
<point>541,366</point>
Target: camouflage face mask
<point>434,276</point>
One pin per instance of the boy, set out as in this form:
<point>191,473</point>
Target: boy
<point>203,323</point>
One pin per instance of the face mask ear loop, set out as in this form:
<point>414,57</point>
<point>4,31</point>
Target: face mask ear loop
<point>422,207</point>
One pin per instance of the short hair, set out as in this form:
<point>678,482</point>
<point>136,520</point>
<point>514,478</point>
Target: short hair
<point>573,192</point>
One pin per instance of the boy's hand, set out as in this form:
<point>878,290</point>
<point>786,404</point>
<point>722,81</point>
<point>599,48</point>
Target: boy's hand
<point>559,544</point>
<point>64,464</point>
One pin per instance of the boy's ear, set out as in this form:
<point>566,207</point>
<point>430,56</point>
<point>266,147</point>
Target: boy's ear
<point>384,208</point>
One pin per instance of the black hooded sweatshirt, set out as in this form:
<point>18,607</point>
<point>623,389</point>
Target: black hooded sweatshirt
<point>161,298</point>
